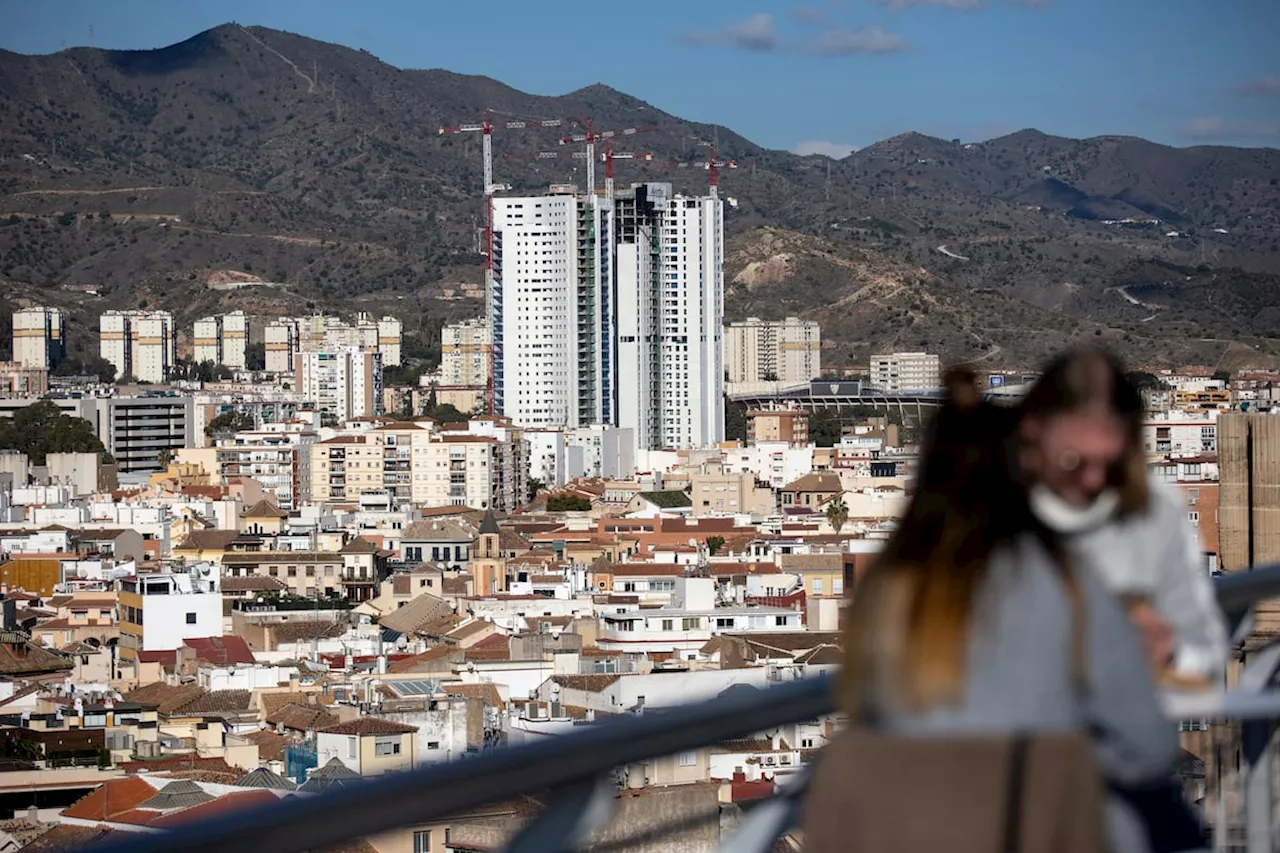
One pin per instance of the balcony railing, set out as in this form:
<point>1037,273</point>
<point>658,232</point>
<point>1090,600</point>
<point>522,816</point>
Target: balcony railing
<point>573,773</point>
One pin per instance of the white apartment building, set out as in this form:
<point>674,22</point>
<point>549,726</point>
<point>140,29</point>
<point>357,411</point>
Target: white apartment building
<point>788,351</point>
<point>685,627</point>
<point>342,384</point>
<point>222,339</point>
<point>552,311</point>
<point>1180,433</point>
<point>280,345</point>
<point>465,354</point>
<point>320,332</point>
<point>600,451</point>
<point>277,459</point>
<point>411,463</point>
<point>39,337</point>
<point>670,298</point>
<point>158,612</point>
<point>547,456</point>
<point>141,344</point>
<point>900,372</point>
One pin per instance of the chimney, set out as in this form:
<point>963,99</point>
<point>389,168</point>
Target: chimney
<point>33,814</point>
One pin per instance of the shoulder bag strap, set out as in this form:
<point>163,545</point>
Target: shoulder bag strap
<point>1013,796</point>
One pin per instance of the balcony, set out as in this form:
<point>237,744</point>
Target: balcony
<point>572,773</point>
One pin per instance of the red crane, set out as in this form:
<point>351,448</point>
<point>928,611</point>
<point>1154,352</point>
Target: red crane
<point>486,128</point>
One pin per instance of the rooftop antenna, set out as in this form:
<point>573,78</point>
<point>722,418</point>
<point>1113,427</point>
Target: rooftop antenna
<point>91,35</point>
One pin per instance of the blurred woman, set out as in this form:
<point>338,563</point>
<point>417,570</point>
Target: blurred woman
<point>974,625</point>
<point>1081,454</point>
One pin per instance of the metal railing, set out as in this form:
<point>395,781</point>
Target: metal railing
<point>573,773</point>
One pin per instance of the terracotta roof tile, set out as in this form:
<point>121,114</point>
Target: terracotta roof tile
<point>363,726</point>
<point>113,797</point>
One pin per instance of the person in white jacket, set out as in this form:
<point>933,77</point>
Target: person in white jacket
<point>1081,452</point>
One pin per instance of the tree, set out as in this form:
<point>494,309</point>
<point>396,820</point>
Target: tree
<point>825,427</point>
<point>735,421</point>
<point>232,420</point>
<point>837,513</point>
<point>164,457</point>
<point>535,486</point>
<point>42,428</point>
<point>567,502</point>
<point>714,544</point>
<point>255,356</point>
<point>1144,381</point>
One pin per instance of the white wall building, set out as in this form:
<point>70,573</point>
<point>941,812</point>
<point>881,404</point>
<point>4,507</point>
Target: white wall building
<point>552,317</point>
<point>899,372</point>
<point>39,337</point>
<point>465,353</point>
<point>280,345</point>
<point>141,344</point>
<point>786,351</point>
<point>605,451</point>
<point>670,298</point>
<point>547,456</point>
<point>343,384</point>
<point>222,339</point>
<point>160,611</point>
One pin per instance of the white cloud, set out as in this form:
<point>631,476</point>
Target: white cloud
<point>1264,85</point>
<point>1218,129</point>
<point>834,150</point>
<point>866,40</point>
<point>755,33</point>
<point>758,33</point>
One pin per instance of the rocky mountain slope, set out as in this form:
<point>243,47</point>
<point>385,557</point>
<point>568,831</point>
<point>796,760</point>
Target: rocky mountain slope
<point>161,178</point>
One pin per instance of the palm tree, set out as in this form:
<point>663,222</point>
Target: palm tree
<point>837,513</point>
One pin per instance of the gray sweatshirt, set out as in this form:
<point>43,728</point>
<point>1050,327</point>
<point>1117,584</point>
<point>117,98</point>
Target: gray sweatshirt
<point>1020,677</point>
<point>1157,553</point>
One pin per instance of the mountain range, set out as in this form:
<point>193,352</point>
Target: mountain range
<point>257,169</point>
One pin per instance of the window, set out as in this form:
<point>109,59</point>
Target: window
<point>191,619</point>
<point>837,586</point>
<point>422,841</point>
<point>691,623</point>
<point>387,746</point>
<point>1193,726</point>
<point>780,621</point>
<point>1193,517</point>
<point>668,624</point>
<point>817,586</point>
<point>433,744</point>
<point>688,759</point>
<point>351,747</point>
<point>1193,495</point>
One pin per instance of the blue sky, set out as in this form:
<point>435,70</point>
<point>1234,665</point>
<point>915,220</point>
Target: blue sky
<point>824,75</point>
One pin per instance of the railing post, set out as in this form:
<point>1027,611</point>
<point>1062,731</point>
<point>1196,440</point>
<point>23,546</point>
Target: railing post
<point>1258,799</point>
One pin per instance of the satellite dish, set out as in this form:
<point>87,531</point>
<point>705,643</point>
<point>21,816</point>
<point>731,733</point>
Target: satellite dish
<point>555,689</point>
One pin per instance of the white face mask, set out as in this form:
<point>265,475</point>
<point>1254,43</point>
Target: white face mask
<point>1062,517</point>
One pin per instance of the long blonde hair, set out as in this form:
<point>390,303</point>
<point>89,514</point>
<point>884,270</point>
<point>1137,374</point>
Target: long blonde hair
<point>921,587</point>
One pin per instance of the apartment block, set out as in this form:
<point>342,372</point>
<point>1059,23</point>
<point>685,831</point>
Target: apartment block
<point>411,463</point>
<point>1180,433</point>
<point>222,339</point>
<point>39,337</point>
<point>787,350</point>
<point>670,298</point>
<point>280,344</point>
<point>158,612</point>
<point>901,372</point>
<point>139,344</point>
<point>21,380</point>
<point>790,426</point>
<point>465,353</point>
<point>319,332</point>
<point>277,459</point>
<point>342,384</point>
<point>552,310</point>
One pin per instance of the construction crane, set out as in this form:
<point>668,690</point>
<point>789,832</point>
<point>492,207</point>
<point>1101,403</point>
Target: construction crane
<point>591,138</point>
<point>711,164</point>
<point>486,128</point>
